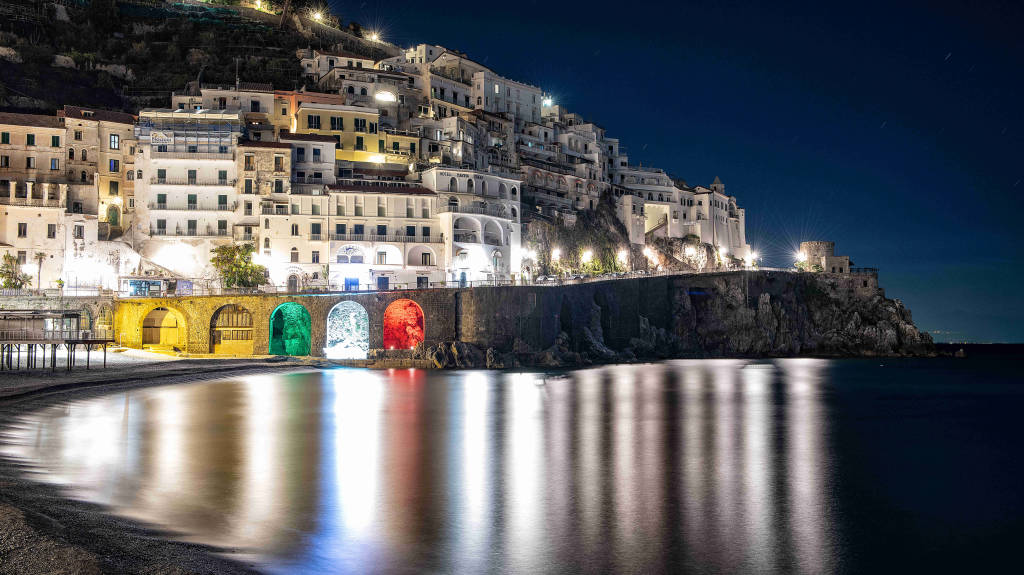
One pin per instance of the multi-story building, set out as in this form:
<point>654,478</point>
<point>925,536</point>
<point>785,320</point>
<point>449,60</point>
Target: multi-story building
<point>33,192</point>
<point>480,221</point>
<point>186,201</point>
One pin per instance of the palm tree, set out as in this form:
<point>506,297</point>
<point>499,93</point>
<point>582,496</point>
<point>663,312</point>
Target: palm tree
<point>39,257</point>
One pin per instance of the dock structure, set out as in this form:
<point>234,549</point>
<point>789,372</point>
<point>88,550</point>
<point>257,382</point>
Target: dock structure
<point>39,334</point>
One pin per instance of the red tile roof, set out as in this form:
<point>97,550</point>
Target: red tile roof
<point>32,120</point>
<point>96,115</point>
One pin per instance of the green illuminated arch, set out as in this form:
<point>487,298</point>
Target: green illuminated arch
<point>290,330</point>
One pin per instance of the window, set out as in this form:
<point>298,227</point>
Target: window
<point>278,163</point>
<point>300,154</point>
<point>382,230</point>
<point>22,258</point>
<point>113,189</point>
<point>316,257</point>
<point>266,243</point>
<point>410,230</point>
<point>254,106</point>
<point>115,142</point>
<point>30,140</point>
<point>337,123</point>
<point>380,146</point>
<point>313,122</point>
<point>316,154</point>
<point>295,255</point>
<point>382,258</point>
<point>250,163</point>
<point>22,230</point>
<point>30,163</point>
<point>359,143</point>
<point>5,137</point>
<point>51,231</point>
<point>266,223</point>
<point>426,231</point>
<point>316,209</point>
<point>54,141</point>
<point>248,186</point>
<point>83,176</point>
<point>360,124</point>
<point>161,226</point>
<point>54,164</point>
<point>5,161</point>
<point>192,177</point>
<point>382,210</point>
<point>115,166</point>
<point>278,186</point>
<point>193,149</point>
<point>295,229</point>
<point>339,229</point>
<point>222,177</point>
<point>357,229</point>
<point>79,232</point>
<point>425,259</point>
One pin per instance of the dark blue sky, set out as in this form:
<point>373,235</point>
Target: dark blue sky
<point>894,130</point>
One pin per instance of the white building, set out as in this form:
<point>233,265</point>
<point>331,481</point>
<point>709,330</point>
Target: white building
<point>186,201</point>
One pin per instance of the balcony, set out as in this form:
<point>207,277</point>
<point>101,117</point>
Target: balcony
<point>393,238</point>
<point>308,180</point>
<point>31,202</point>
<point>317,237</point>
<point>495,211</point>
<point>208,232</point>
<point>191,182</point>
<point>194,207</point>
<point>157,155</point>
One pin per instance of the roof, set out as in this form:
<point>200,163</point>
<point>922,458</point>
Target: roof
<point>398,190</point>
<point>32,120</point>
<point>262,144</point>
<point>342,54</point>
<point>96,115</point>
<point>716,182</point>
<point>286,135</point>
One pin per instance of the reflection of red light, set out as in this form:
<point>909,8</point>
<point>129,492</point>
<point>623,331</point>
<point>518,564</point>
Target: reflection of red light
<point>403,325</point>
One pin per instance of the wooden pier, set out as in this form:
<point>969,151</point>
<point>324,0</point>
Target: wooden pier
<point>35,336</point>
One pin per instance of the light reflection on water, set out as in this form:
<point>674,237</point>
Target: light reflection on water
<point>710,466</point>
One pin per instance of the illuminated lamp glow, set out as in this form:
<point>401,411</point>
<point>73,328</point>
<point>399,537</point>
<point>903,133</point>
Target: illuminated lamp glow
<point>587,257</point>
<point>801,257</point>
<point>377,158</point>
<point>546,102</point>
<point>385,96</point>
<point>690,251</point>
<point>623,256</point>
<point>374,37</point>
<point>317,16</point>
<point>556,254</point>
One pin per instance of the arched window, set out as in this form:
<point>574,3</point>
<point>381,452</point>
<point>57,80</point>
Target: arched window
<point>453,202</point>
<point>266,243</point>
<point>469,186</point>
<point>483,188</point>
<point>515,213</point>
<point>83,175</point>
<point>514,193</point>
<point>650,196</point>
<point>362,91</point>
<point>71,153</point>
<point>295,255</point>
<point>266,223</point>
<point>85,155</point>
<point>453,186</point>
<point>351,90</point>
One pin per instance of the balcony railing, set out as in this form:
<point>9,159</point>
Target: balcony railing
<point>192,182</point>
<point>193,155</point>
<point>394,238</point>
<point>194,207</point>
<point>34,202</point>
<point>498,212</point>
<point>189,232</point>
<point>54,335</point>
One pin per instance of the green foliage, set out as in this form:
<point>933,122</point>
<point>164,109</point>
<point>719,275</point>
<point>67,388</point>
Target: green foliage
<point>693,239</point>
<point>596,230</point>
<point>11,275</point>
<point>233,263</point>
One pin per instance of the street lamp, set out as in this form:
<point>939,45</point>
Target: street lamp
<point>317,16</point>
<point>586,257</point>
<point>374,37</point>
<point>556,254</point>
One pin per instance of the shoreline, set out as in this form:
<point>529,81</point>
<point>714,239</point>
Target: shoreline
<point>43,530</point>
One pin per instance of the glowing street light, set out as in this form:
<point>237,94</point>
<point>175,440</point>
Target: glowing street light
<point>547,102</point>
<point>317,16</point>
<point>623,256</point>
<point>801,257</point>
<point>532,255</point>
<point>690,251</point>
<point>587,256</point>
<point>751,259</point>
<point>374,37</point>
<point>556,254</point>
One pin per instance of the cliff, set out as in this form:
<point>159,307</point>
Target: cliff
<point>733,314</point>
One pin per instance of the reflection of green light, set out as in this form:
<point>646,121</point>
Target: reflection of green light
<point>289,330</point>
<point>348,332</point>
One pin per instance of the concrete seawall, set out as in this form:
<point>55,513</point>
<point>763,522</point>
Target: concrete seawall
<point>730,313</point>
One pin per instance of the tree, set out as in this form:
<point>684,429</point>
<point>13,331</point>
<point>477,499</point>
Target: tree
<point>233,264</point>
<point>11,274</point>
<point>39,256</point>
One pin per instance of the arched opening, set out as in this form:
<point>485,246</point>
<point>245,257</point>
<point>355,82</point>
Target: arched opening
<point>105,320</point>
<point>493,235</point>
<point>453,186</point>
<point>502,191</point>
<point>293,283</point>
<point>362,91</point>
<point>165,328</point>
<point>289,330</point>
<point>231,331</point>
<point>514,192</point>
<point>466,230</point>
<point>421,256</point>
<point>113,215</point>
<point>453,203</point>
<point>348,332</point>
<point>469,186</point>
<point>403,325</point>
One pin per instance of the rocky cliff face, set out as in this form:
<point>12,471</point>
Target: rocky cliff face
<point>727,315</point>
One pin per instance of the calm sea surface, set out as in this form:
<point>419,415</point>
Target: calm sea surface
<point>712,466</point>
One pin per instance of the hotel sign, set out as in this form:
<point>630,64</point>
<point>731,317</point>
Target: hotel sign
<point>161,138</point>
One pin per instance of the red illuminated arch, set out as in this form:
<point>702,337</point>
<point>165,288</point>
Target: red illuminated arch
<point>403,325</point>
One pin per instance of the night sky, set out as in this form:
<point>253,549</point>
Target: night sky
<point>895,131</point>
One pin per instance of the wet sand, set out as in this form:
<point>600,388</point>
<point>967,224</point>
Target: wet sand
<point>43,531</point>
